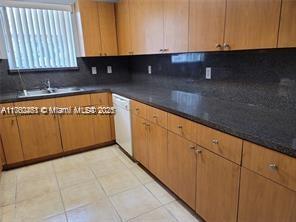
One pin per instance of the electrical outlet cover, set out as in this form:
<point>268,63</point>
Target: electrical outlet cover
<point>208,73</point>
<point>109,69</point>
<point>94,70</point>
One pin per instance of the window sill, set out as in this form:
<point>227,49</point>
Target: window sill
<point>16,71</point>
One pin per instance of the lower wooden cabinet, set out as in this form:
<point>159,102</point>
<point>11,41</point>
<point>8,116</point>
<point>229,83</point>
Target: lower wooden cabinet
<point>182,168</point>
<point>11,141</point>
<point>77,131</point>
<point>264,200</point>
<point>158,151</point>
<point>140,143</point>
<point>217,187</point>
<point>102,129</point>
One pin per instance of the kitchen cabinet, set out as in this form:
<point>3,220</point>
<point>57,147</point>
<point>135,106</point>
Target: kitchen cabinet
<point>2,155</point>
<point>176,15</point>
<point>206,25</point>
<point>157,151</point>
<point>11,141</point>
<point>264,200</point>
<point>146,19</point>
<point>287,32</point>
<point>217,187</point>
<point>96,28</point>
<point>39,134</point>
<point>123,27</point>
<point>181,162</point>
<point>251,24</point>
<point>140,140</point>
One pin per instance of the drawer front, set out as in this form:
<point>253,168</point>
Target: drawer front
<point>158,117</point>
<point>81,100</point>
<point>101,99</point>
<point>271,164</point>
<point>36,103</point>
<point>220,143</point>
<point>3,107</point>
<point>139,109</point>
<point>182,127</point>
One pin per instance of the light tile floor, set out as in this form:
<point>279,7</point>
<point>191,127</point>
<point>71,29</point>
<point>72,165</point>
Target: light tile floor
<point>103,185</point>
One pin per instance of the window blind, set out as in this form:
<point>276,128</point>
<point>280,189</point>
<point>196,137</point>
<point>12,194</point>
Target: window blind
<point>39,38</point>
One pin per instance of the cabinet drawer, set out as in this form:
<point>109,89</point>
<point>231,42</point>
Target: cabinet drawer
<point>81,100</point>
<point>36,103</point>
<point>101,99</point>
<point>4,106</point>
<point>271,164</point>
<point>139,109</point>
<point>158,117</point>
<point>223,144</point>
<point>182,127</point>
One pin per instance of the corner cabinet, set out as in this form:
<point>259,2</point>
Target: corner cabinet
<point>96,28</point>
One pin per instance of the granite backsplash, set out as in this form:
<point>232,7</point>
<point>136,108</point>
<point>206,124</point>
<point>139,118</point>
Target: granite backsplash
<point>10,82</point>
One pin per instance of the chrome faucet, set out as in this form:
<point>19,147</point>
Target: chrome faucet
<point>48,87</point>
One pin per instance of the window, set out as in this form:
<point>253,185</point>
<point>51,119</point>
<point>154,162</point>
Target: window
<point>38,38</point>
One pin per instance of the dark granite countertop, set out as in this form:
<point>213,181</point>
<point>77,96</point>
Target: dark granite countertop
<point>272,128</point>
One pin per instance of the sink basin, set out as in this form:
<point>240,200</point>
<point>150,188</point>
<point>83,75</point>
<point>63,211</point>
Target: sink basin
<point>44,92</point>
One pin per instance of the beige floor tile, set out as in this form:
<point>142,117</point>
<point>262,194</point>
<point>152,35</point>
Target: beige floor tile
<point>141,175</point>
<point>159,192</point>
<point>127,161</point>
<point>107,167</point>
<point>118,182</point>
<point>95,156</point>
<point>8,178</point>
<point>41,207</point>
<point>29,189</point>
<point>180,212</point>
<point>74,176</point>
<point>135,202</point>
<point>69,163</point>
<point>82,194</point>
<point>40,170</point>
<point>158,215</point>
<point>7,195</point>
<point>8,214</point>
<point>101,211</point>
<point>58,218</point>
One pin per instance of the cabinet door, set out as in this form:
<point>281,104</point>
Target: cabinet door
<point>146,26</point>
<point>264,200</point>
<point>158,147</point>
<point>40,135</point>
<point>102,128</point>
<point>77,131</point>
<point>287,34</point>
<point>182,168</point>
<point>107,28</point>
<point>206,25</point>
<point>11,140</point>
<point>88,27</point>
<point>123,27</point>
<point>252,24</point>
<point>217,187</point>
<point>140,145</point>
<point>176,14</point>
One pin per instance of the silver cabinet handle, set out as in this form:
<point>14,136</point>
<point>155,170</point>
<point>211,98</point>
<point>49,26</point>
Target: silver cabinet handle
<point>226,46</point>
<point>197,151</point>
<point>218,46</point>
<point>161,50</point>
<point>215,141</point>
<point>273,166</point>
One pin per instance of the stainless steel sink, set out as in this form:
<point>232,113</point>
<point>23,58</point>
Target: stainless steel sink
<point>44,92</point>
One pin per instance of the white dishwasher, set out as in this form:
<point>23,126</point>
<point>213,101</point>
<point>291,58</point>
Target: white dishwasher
<point>122,119</point>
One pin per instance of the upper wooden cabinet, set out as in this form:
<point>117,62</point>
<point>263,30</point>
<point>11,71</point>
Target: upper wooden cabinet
<point>123,27</point>
<point>287,33</point>
<point>206,25</point>
<point>176,15</point>
<point>96,27</point>
<point>251,24</point>
<point>146,26</point>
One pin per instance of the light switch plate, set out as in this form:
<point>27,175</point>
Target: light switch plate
<point>109,69</point>
<point>208,73</point>
<point>94,70</point>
